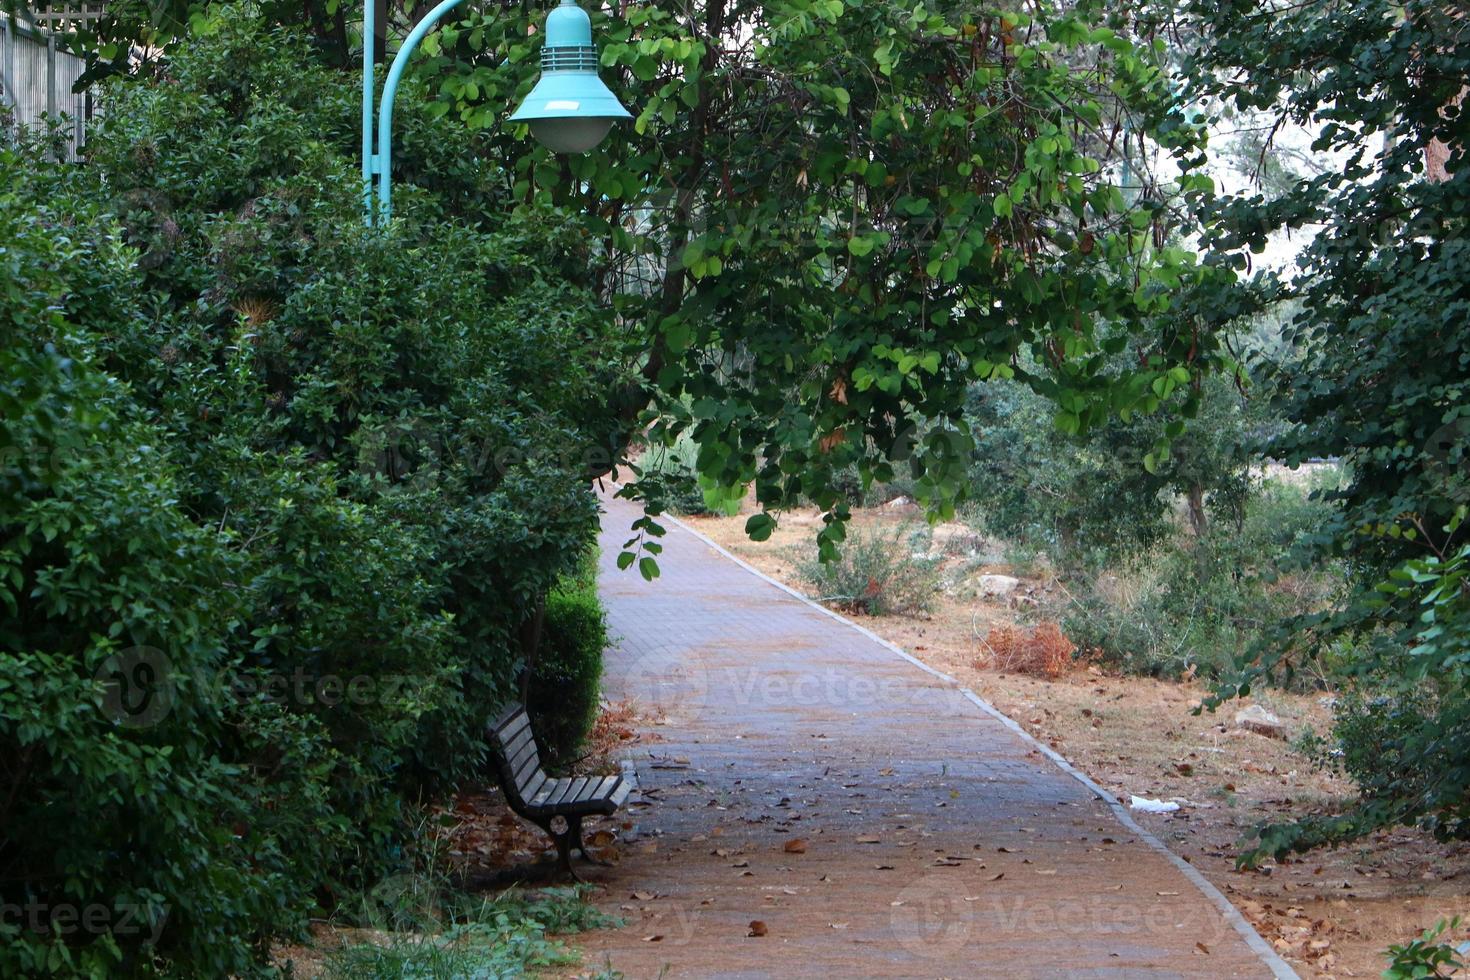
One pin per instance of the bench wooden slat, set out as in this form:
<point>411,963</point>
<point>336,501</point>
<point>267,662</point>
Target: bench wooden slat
<point>515,748</point>
<point>576,792</point>
<point>519,758</point>
<point>620,793</point>
<point>543,796</point>
<point>532,787</point>
<point>531,764</point>
<point>513,724</point>
<point>520,741</point>
<point>603,788</point>
<point>559,794</point>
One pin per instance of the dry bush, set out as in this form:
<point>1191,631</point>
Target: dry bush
<point>615,728</point>
<point>1042,651</point>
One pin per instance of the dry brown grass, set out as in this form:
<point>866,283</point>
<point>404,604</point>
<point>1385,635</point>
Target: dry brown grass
<point>616,726</point>
<point>1042,651</point>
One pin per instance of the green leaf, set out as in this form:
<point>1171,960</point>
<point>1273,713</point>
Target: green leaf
<point>760,526</point>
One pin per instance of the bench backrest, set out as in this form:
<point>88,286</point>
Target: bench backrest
<point>516,755</point>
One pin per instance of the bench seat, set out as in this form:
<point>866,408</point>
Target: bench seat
<point>542,798</point>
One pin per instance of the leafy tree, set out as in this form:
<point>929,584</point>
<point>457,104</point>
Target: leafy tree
<point>831,216</point>
<point>1380,365</point>
<point>1086,494</point>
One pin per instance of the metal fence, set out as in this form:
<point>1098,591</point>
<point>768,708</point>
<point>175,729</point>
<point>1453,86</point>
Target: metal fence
<point>36,81</point>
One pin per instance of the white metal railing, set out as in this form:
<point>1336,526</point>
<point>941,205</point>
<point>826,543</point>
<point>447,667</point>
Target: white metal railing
<point>67,16</point>
<point>36,81</point>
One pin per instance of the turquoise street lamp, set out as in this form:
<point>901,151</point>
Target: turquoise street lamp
<point>570,110</point>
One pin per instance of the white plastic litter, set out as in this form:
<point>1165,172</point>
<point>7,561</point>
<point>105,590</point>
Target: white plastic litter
<point>1152,806</point>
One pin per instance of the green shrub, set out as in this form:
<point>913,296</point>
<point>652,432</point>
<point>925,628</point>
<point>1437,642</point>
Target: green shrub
<point>877,574</point>
<point>1197,603</point>
<point>567,676</point>
<point>1401,729</point>
<point>101,571</point>
<point>1424,957</point>
<point>310,468</point>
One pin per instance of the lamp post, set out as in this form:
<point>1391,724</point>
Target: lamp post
<point>570,110</point>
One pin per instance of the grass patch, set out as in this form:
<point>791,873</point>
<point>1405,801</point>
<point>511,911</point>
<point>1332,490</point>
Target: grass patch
<point>420,930</point>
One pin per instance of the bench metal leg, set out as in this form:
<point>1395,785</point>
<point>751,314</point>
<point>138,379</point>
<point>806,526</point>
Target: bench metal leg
<point>575,827</point>
<point>564,854</point>
<point>563,842</point>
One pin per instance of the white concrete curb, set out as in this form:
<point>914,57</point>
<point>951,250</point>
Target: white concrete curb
<point>1279,968</point>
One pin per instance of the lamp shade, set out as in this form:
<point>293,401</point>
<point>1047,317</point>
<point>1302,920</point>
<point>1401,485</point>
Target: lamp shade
<point>569,110</point>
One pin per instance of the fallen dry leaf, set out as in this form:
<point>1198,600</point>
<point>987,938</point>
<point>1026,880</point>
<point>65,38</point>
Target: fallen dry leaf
<point>795,846</point>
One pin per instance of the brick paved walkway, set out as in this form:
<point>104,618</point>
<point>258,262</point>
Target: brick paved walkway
<point>872,817</point>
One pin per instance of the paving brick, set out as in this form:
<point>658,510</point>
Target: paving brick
<point>937,841</point>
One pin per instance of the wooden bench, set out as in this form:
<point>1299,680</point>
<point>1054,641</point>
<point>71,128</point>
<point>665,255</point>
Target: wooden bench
<point>548,801</point>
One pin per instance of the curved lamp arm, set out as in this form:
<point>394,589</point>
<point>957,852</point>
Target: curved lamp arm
<point>383,162</point>
<point>369,52</point>
<point>390,90</point>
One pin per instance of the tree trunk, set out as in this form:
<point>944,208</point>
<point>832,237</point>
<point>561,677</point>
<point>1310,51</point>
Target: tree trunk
<point>1198,519</point>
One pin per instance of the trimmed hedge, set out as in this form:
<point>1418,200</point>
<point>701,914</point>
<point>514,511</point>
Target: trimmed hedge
<point>565,684</point>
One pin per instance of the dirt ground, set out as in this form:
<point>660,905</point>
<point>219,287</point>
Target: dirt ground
<point>1331,914</point>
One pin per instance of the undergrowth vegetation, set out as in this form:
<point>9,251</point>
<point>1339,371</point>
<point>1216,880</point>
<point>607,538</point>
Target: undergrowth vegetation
<point>416,930</point>
<point>879,573</point>
<point>1194,604</point>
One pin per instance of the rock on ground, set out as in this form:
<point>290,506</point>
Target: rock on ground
<point>1257,719</point>
<point>997,585</point>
